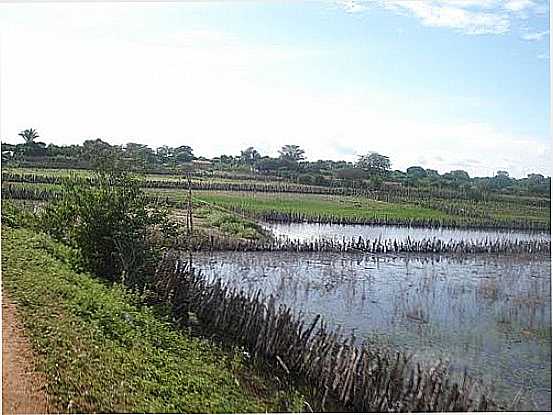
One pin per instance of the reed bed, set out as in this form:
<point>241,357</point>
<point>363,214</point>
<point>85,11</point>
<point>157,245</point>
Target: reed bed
<point>359,377</point>
<point>433,245</point>
<point>451,222</point>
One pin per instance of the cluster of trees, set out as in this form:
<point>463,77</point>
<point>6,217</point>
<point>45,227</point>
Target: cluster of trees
<point>372,169</point>
<point>96,150</point>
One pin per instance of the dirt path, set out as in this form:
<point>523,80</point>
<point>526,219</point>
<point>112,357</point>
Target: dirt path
<point>22,387</point>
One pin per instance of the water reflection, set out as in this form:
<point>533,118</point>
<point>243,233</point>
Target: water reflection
<point>313,231</point>
<point>490,314</point>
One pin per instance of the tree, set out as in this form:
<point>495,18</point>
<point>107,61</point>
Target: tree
<point>460,175</point>
<point>416,172</point>
<point>183,154</point>
<point>103,156</point>
<point>29,135</point>
<point>501,180</point>
<point>165,154</point>
<point>292,153</point>
<point>249,156</point>
<point>432,173</point>
<point>140,153</point>
<point>374,163</point>
<point>535,178</point>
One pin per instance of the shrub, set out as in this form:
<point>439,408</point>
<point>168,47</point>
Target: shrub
<point>112,227</point>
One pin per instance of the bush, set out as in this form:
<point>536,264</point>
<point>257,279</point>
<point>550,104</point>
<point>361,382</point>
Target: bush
<point>16,216</point>
<point>111,226</point>
<point>234,225</point>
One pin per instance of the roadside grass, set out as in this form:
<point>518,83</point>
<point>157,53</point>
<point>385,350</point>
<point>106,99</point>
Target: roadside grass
<point>103,351</point>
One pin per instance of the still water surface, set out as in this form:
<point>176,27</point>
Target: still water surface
<point>312,231</point>
<point>488,314</point>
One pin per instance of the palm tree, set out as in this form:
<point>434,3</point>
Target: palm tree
<point>29,135</point>
<point>292,153</point>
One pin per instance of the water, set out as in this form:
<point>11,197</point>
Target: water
<point>488,314</point>
<point>312,231</point>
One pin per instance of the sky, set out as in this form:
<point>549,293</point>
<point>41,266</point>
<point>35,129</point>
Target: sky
<point>443,84</point>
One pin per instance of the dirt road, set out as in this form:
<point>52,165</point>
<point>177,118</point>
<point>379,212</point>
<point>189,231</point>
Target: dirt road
<point>22,387</point>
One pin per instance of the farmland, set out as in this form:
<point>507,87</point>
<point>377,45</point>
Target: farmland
<point>292,202</point>
<point>420,244</point>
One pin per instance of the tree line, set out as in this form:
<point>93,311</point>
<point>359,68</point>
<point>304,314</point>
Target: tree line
<point>372,170</point>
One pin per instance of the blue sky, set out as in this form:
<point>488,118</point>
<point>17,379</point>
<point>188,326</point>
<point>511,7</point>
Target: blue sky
<point>446,84</point>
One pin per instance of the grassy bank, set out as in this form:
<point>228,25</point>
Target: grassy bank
<point>103,352</point>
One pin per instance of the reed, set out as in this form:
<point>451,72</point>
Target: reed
<point>359,377</point>
<point>377,245</point>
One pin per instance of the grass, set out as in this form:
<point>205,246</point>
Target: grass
<point>148,176</point>
<point>104,352</point>
<point>511,210</point>
<point>349,207</point>
<point>231,224</point>
<point>314,205</point>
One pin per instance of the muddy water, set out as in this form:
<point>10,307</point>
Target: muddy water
<point>313,231</point>
<point>488,314</point>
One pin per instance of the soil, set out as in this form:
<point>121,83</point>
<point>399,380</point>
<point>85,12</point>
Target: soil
<point>23,389</point>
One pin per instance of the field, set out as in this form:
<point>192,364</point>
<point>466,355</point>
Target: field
<point>283,201</point>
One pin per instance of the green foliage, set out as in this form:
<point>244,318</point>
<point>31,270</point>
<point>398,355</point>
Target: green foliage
<point>16,216</point>
<point>232,224</point>
<point>374,163</point>
<point>105,157</point>
<point>249,156</point>
<point>416,172</point>
<point>29,135</point>
<point>292,153</point>
<point>103,352</point>
<point>111,225</point>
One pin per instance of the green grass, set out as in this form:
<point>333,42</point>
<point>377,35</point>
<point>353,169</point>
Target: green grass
<point>314,205</point>
<point>104,352</point>
<point>230,224</point>
<point>149,176</point>
<point>349,207</point>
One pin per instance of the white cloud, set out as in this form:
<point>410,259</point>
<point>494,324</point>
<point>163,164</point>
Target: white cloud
<point>534,36</point>
<point>352,6</point>
<point>473,17</point>
<point>518,5</point>
<point>451,15</point>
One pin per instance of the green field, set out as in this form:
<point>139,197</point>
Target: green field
<point>102,351</point>
<point>65,173</point>
<point>510,211</point>
<point>357,208</point>
<point>316,205</point>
